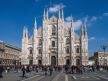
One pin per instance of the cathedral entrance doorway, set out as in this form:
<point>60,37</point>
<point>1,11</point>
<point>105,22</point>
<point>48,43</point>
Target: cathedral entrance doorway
<point>67,62</point>
<point>39,62</point>
<point>30,62</point>
<point>53,60</point>
<point>77,62</point>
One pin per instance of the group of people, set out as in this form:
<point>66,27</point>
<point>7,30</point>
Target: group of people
<point>73,69</point>
<point>2,69</point>
<point>48,70</point>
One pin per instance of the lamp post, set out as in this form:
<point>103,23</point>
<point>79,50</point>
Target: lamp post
<point>57,41</point>
<point>104,49</point>
<point>70,48</point>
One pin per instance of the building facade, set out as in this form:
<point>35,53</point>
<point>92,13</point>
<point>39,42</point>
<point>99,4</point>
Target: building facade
<point>101,58</point>
<point>9,55</point>
<point>55,43</point>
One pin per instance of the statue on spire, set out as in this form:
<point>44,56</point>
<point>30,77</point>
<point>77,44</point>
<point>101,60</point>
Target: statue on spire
<point>59,15</point>
<point>35,24</point>
<point>62,15</point>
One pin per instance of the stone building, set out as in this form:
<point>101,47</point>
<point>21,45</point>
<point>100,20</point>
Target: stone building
<point>9,55</point>
<point>101,58</point>
<point>55,43</point>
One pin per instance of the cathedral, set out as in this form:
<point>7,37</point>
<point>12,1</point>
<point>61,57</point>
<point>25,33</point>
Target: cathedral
<point>55,43</point>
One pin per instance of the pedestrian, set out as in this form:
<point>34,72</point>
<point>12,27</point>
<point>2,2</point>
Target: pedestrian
<point>1,71</point>
<point>28,69</point>
<point>81,69</point>
<point>93,68</point>
<point>23,71</point>
<point>72,69</point>
<point>66,68</point>
<point>8,69</point>
<point>45,69</point>
<point>97,67</point>
<point>51,70</point>
<point>36,68</point>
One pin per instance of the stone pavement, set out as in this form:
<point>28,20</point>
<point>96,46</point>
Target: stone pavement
<point>57,76</point>
<point>13,76</point>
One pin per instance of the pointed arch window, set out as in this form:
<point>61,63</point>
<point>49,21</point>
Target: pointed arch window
<point>67,40</point>
<point>77,50</point>
<point>31,52</point>
<point>40,41</point>
<point>53,30</point>
<point>40,51</point>
<point>53,43</point>
<point>67,50</point>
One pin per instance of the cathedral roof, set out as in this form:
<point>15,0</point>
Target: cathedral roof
<point>66,30</point>
<point>66,33</point>
<point>39,32</point>
<point>53,18</point>
<point>31,40</point>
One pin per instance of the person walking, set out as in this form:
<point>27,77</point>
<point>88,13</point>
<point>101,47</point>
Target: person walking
<point>72,69</point>
<point>23,71</point>
<point>8,69</point>
<point>1,71</point>
<point>51,70</point>
<point>93,68</point>
<point>45,69</point>
<point>36,68</point>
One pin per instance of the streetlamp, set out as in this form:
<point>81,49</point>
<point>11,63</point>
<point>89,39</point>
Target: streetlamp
<point>104,49</point>
<point>70,47</point>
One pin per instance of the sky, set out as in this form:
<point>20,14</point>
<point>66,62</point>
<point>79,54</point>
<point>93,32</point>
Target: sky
<point>15,14</point>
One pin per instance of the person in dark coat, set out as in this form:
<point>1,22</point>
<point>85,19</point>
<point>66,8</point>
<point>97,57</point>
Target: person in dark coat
<point>28,69</point>
<point>23,71</point>
<point>45,69</point>
<point>1,71</point>
<point>93,68</point>
<point>51,70</point>
<point>72,69</point>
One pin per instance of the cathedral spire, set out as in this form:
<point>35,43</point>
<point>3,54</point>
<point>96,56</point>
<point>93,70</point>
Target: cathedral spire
<point>72,27</point>
<point>47,14</point>
<point>62,15</point>
<point>24,32</point>
<point>35,24</point>
<point>84,30</point>
<point>59,16</point>
<point>44,15</point>
<point>35,28</point>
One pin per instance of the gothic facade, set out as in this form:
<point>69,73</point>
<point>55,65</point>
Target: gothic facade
<point>55,43</point>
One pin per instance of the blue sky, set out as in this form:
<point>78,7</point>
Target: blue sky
<point>15,14</point>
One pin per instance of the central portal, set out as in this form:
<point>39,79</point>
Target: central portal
<point>53,61</point>
<point>67,62</point>
<point>78,61</point>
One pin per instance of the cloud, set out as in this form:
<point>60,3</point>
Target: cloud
<point>55,8</point>
<point>92,38</point>
<point>89,19</point>
<point>36,0</point>
<point>94,18</point>
<point>105,14</point>
<point>69,18</point>
<point>85,19</point>
<point>1,41</point>
<point>77,24</point>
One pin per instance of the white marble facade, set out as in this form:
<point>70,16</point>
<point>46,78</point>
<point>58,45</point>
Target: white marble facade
<point>55,43</point>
